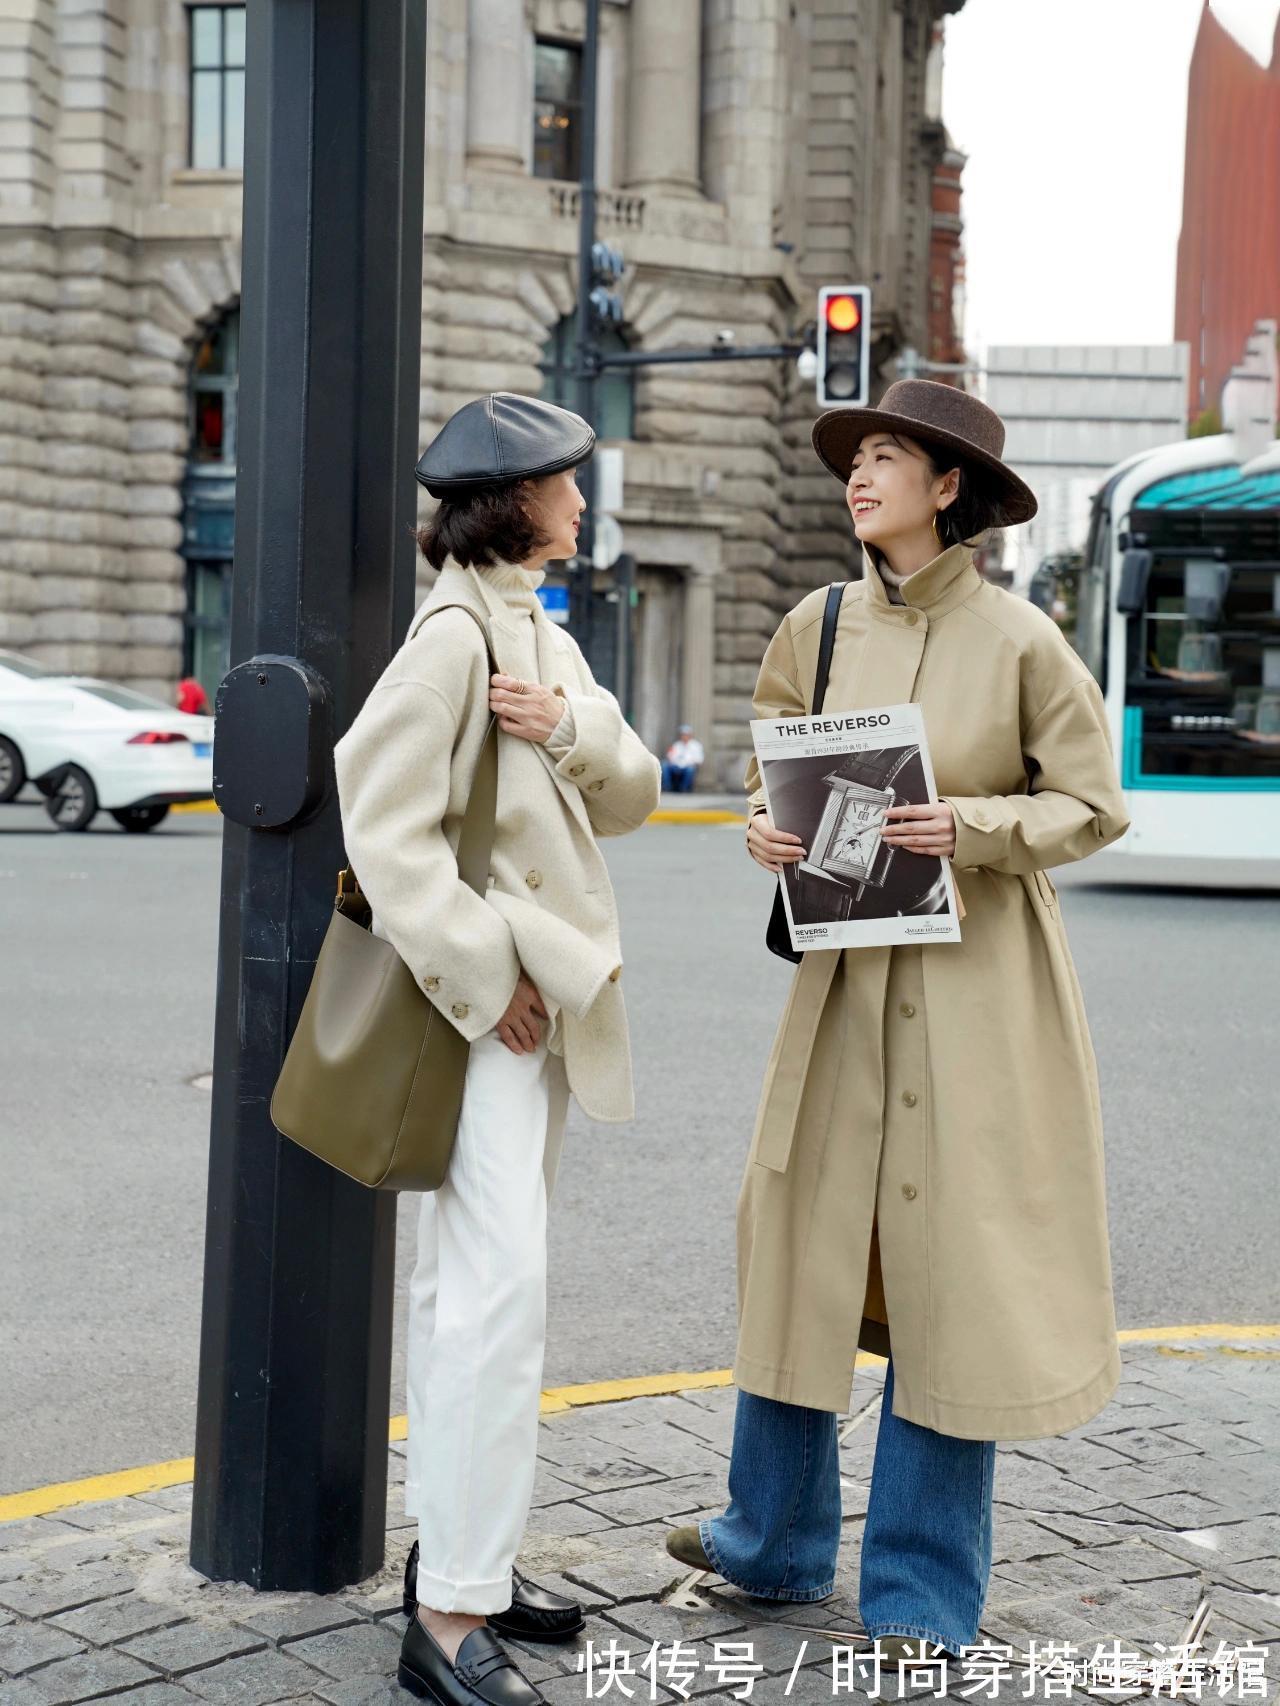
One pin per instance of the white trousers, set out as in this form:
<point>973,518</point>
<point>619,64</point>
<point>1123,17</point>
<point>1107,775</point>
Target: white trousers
<point>477,1329</point>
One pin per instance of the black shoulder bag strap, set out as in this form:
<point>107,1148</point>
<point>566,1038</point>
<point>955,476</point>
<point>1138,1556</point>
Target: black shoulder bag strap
<point>827,644</point>
<point>777,937</point>
<point>479,820</point>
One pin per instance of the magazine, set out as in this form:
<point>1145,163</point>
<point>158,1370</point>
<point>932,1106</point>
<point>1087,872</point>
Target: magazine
<point>830,779</point>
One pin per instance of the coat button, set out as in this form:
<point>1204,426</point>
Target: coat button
<point>534,879</point>
<point>980,818</point>
<point>460,1009</point>
<point>911,618</point>
<point>431,983</point>
<point>909,1191</point>
<point>594,787</point>
<point>909,1097</point>
<point>576,769</point>
<point>907,1010</point>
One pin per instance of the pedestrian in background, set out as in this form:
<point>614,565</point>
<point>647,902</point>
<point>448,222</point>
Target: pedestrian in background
<point>191,697</point>
<point>926,1180</point>
<point>529,974</point>
<point>683,760</point>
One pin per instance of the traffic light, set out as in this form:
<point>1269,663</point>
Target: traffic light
<point>844,337</point>
<point>607,267</point>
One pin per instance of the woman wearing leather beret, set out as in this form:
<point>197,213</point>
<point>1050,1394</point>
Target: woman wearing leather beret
<point>529,974</point>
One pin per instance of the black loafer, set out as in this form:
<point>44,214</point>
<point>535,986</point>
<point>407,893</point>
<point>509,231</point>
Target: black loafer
<point>535,1614</point>
<point>483,1674</point>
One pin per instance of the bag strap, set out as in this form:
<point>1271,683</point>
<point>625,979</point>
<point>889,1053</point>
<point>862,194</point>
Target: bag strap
<point>827,644</point>
<point>479,820</point>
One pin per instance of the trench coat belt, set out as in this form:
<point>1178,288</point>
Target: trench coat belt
<point>780,1106</point>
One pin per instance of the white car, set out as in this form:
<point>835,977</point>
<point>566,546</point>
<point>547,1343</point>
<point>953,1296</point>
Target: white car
<point>87,744</point>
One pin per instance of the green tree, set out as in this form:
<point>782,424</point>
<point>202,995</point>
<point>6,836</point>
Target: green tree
<point>1206,424</point>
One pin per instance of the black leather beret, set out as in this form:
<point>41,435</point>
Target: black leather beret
<point>502,437</point>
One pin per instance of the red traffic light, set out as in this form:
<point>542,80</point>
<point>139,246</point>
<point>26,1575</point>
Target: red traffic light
<point>843,313</point>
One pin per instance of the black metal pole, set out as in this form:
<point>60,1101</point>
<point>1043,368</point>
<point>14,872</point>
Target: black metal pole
<point>588,355</point>
<point>291,1428</point>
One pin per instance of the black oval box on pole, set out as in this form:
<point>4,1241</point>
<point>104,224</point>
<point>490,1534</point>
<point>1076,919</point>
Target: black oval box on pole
<point>272,741</point>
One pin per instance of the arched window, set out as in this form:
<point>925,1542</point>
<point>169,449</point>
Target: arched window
<point>615,391</point>
<point>209,501</point>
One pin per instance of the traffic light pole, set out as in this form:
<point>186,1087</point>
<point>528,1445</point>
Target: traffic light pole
<point>712,354</point>
<point>295,1348</point>
<point>588,353</point>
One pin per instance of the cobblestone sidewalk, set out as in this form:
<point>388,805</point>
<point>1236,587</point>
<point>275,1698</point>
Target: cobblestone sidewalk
<point>1114,1533</point>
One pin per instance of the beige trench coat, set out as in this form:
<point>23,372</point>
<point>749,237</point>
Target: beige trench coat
<point>945,1093</point>
<point>404,771</point>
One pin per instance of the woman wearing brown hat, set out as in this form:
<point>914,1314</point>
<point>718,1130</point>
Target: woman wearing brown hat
<point>925,1180</point>
<point>528,973</point>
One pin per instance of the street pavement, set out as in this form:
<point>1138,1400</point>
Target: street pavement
<point>1106,1542</point>
<point>106,1010</point>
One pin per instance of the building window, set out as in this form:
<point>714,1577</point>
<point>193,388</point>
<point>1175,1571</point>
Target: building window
<point>217,87</point>
<point>615,390</point>
<point>557,110</point>
<point>209,502</point>
<point>215,377</point>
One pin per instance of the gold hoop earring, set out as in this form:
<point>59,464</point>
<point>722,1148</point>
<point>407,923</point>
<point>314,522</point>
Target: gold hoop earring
<point>934,525</point>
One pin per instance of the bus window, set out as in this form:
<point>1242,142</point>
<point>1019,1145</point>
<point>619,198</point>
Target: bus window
<point>1091,621</point>
<point>1204,669</point>
<point>1092,596</point>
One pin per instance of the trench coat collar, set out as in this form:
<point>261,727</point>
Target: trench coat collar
<point>939,586</point>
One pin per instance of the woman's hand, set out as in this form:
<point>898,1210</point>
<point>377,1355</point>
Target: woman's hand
<point>922,829</point>
<point>770,847</point>
<point>519,1026</point>
<point>525,708</point>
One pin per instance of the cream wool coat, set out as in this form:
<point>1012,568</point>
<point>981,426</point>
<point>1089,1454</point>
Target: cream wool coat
<point>944,1093</point>
<point>404,773</point>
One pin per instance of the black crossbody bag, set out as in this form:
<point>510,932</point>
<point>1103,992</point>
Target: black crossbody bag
<point>777,938</point>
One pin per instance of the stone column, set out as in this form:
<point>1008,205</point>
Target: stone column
<point>697,688</point>
<point>499,99</point>
<point>665,96</point>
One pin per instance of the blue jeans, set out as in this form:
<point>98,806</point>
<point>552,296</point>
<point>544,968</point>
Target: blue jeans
<point>926,1545</point>
<point>678,778</point>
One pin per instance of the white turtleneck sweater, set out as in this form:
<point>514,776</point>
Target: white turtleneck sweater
<point>518,588</point>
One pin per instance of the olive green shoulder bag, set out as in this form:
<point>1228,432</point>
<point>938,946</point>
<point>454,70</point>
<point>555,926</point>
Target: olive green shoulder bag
<point>372,1078</point>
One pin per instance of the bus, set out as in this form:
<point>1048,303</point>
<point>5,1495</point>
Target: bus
<point>1174,605</point>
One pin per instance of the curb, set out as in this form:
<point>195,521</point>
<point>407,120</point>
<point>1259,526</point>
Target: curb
<point>150,1477</point>
<point>665,814</point>
<point>556,1400</point>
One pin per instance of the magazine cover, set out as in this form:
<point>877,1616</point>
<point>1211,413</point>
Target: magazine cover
<point>830,779</point>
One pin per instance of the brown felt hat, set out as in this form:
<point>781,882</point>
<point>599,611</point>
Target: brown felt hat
<point>937,415</point>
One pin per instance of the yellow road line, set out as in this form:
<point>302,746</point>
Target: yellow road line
<point>118,1485</point>
<point>559,1398</point>
<point>196,806</point>
<point>1201,1330</point>
<point>695,814</point>
<point>122,1483</point>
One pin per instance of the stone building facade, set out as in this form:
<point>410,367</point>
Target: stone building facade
<point>748,151</point>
